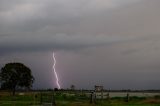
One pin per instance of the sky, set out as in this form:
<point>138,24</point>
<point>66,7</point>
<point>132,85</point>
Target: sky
<point>114,43</point>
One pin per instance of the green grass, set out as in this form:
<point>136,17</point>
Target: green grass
<point>74,99</point>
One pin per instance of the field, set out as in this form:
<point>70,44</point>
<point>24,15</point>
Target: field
<point>76,98</point>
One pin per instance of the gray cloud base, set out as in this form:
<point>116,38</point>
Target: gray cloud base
<point>111,41</point>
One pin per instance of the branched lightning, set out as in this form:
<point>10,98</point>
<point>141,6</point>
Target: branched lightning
<point>54,69</point>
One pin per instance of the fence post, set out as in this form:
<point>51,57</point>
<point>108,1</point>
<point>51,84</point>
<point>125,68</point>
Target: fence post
<point>53,100</point>
<point>102,95</point>
<point>108,97</point>
<point>93,97</point>
<point>127,99</point>
<point>41,98</point>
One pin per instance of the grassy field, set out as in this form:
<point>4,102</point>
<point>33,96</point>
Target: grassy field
<point>72,99</point>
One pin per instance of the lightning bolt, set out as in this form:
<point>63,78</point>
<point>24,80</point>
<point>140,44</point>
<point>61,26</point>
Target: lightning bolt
<point>54,69</point>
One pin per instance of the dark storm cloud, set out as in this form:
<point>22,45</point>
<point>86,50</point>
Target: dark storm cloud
<point>54,24</point>
<point>120,40</point>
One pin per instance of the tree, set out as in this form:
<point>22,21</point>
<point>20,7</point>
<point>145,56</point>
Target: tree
<point>72,87</point>
<point>14,75</point>
<point>55,89</point>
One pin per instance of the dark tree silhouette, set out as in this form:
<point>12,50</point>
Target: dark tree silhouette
<point>72,87</point>
<point>14,75</point>
<point>55,89</point>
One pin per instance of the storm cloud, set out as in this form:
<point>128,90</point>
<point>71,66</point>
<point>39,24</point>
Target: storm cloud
<point>56,24</point>
<point>114,43</point>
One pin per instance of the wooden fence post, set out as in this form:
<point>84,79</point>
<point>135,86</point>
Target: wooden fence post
<point>127,99</point>
<point>108,97</point>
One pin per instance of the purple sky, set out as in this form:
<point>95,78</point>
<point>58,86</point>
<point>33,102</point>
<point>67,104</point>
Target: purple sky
<point>115,43</point>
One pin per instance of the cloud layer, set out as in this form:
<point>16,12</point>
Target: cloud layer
<point>57,24</point>
<point>111,41</point>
